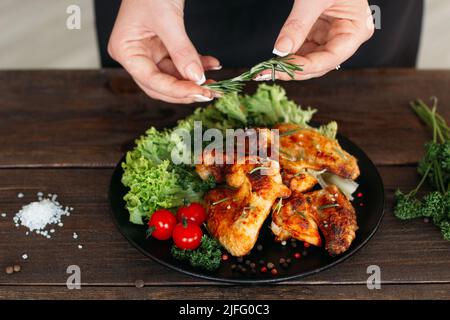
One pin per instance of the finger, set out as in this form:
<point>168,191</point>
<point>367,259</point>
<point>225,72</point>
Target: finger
<point>166,65</point>
<point>328,57</point>
<point>210,63</point>
<point>182,51</point>
<point>158,96</point>
<point>147,73</point>
<point>297,26</point>
<point>285,77</point>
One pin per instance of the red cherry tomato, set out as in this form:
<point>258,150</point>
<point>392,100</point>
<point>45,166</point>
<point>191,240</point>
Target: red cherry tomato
<point>187,235</point>
<point>161,224</point>
<point>194,212</point>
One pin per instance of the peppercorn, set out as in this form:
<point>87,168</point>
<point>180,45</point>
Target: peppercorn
<point>9,270</point>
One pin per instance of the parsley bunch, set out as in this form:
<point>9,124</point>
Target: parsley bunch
<point>434,168</point>
<point>207,256</point>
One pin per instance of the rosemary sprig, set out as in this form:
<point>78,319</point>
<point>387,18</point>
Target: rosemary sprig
<point>280,64</point>
<point>328,206</point>
<point>220,201</point>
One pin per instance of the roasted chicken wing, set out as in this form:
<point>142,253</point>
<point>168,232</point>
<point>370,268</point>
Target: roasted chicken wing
<point>302,214</point>
<point>236,212</point>
<point>303,148</point>
<point>295,218</point>
<point>336,218</point>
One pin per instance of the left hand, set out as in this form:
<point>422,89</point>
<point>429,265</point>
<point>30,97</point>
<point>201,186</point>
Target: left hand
<point>322,34</point>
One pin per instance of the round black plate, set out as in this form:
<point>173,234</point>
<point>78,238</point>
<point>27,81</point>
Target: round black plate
<point>369,207</point>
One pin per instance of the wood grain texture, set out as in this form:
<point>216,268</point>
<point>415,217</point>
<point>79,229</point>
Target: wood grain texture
<point>97,114</point>
<point>241,293</point>
<point>407,252</point>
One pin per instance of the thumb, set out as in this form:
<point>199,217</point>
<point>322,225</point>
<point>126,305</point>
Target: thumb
<point>182,52</point>
<point>303,15</point>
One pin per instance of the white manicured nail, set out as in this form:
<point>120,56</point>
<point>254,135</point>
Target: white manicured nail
<point>279,53</point>
<point>200,98</point>
<point>201,81</point>
<point>263,77</point>
<point>216,68</point>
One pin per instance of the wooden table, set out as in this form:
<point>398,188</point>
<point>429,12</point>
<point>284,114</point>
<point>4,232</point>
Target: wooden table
<point>64,131</point>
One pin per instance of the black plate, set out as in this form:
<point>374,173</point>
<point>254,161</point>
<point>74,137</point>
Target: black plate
<point>369,207</point>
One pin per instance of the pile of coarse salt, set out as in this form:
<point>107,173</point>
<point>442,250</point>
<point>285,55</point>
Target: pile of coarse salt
<point>37,215</point>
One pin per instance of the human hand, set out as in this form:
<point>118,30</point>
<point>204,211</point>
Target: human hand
<point>149,40</point>
<point>322,34</point>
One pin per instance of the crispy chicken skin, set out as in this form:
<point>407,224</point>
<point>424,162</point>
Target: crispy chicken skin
<point>235,215</point>
<point>295,219</point>
<point>300,182</point>
<point>336,218</point>
<point>304,148</point>
<point>327,209</point>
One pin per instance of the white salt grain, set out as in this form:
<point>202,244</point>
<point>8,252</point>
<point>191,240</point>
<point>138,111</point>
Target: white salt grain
<point>20,195</point>
<point>4,215</point>
<point>24,256</point>
<point>36,216</point>
<point>75,235</point>
<point>80,246</point>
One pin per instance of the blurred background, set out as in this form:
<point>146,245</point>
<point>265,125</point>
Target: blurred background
<point>44,42</point>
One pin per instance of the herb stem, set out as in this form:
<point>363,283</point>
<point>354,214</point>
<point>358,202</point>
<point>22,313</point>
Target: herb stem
<point>280,64</point>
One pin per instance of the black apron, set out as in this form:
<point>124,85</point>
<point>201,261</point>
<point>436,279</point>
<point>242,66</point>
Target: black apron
<point>241,33</point>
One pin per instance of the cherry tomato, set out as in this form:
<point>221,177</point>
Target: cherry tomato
<point>194,212</point>
<point>161,224</point>
<point>187,235</point>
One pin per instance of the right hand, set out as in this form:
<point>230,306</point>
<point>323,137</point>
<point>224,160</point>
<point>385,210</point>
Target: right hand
<point>149,40</point>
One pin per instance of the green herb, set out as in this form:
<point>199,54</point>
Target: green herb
<point>301,213</point>
<point>286,155</point>
<point>257,169</point>
<point>280,64</point>
<point>207,256</point>
<point>279,205</point>
<point>289,132</point>
<point>220,201</point>
<point>328,206</point>
<point>434,168</point>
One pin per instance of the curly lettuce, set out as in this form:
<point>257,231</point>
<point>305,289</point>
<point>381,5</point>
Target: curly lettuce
<point>154,182</point>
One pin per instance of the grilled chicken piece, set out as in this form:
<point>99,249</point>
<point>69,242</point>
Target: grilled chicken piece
<point>295,219</point>
<point>299,182</point>
<point>328,209</point>
<point>236,215</point>
<point>336,218</point>
<point>304,148</point>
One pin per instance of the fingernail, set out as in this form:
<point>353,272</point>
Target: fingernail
<point>195,73</point>
<point>283,47</point>
<point>263,77</point>
<point>200,98</point>
<point>216,68</point>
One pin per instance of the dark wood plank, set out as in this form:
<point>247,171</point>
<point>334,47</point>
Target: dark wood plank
<point>285,292</point>
<point>89,118</point>
<point>407,252</point>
